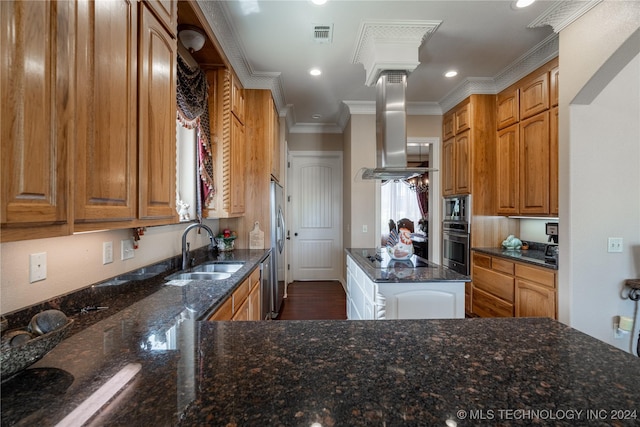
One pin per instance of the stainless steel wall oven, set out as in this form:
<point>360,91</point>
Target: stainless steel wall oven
<point>456,239</point>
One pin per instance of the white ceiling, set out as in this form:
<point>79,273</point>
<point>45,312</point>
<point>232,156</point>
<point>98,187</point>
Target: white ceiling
<point>270,45</point>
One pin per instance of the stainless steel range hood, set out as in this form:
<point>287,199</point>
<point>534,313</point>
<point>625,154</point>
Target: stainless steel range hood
<point>391,130</point>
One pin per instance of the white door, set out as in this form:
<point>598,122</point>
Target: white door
<point>315,224</point>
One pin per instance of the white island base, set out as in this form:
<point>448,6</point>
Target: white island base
<point>369,300</point>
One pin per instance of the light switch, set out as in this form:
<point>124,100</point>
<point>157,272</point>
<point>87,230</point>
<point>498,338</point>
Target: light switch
<point>107,252</point>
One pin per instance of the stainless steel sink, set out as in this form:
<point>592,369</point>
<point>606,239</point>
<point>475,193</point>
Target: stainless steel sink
<point>199,275</point>
<point>217,267</point>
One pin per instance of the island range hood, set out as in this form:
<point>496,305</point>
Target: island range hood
<point>391,130</point>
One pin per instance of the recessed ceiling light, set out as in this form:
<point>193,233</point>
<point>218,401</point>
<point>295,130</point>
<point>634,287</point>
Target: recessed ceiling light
<point>315,72</point>
<point>524,3</point>
<point>319,2</point>
<point>316,116</point>
<point>451,73</point>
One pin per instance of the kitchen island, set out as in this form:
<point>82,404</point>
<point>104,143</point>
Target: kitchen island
<point>379,287</point>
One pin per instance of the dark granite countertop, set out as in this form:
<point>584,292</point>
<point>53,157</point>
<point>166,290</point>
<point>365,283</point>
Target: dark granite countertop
<point>416,269</point>
<point>529,256</point>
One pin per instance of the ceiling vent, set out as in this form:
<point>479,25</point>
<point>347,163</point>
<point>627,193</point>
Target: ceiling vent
<point>323,33</point>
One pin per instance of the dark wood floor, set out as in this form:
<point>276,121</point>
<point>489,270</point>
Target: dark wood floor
<point>314,301</point>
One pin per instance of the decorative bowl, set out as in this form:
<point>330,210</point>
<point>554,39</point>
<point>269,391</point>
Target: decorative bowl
<point>18,358</point>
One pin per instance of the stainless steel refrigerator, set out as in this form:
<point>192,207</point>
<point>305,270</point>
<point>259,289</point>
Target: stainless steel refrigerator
<point>277,248</point>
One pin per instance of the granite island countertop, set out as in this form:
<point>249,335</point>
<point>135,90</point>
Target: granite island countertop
<point>386,270</point>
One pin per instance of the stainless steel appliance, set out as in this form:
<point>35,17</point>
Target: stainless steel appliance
<point>551,250</point>
<point>277,248</point>
<point>266,286</point>
<point>456,239</point>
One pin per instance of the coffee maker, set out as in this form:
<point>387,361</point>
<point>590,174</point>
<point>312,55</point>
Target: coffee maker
<point>551,249</point>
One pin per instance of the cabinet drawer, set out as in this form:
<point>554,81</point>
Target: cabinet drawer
<point>502,265</point>
<point>224,312</point>
<point>481,260</point>
<point>240,294</point>
<point>495,283</point>
<point>542,276</point>
<point>487,305</point>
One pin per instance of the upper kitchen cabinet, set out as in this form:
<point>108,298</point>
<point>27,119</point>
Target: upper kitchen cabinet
<point>464,155</point>
<point>527,149</point>
<point>237,99</point>
<point>125,148</point>
<point>167,13</point>
<point>230,152</point>
<point>156,120</point>
<point>37,126</point>
<point>534,94</point>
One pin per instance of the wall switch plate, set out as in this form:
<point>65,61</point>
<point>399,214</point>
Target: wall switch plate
<point>614,244</point>
<point>107,252</point>
<point>37,267</point>
<point>364,228</point>
<point>126,249</point>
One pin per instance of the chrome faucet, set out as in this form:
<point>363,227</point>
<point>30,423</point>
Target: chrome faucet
<point>185,245</point>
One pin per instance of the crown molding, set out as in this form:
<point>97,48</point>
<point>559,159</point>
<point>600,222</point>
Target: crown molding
<point>563,13</point>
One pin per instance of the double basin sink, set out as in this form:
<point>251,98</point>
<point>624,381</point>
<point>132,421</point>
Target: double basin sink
<point>212,271</point>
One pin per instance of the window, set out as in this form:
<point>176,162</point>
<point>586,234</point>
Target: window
<point>397,201</point>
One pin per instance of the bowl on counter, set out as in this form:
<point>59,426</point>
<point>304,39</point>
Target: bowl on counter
<point>17,357</point>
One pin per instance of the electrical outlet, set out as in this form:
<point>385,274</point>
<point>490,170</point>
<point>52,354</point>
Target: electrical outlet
<point>107,252</point>
<point>364,228</point>
<point>37,267</point>
<point>126,249</point>
<point>614,244</point>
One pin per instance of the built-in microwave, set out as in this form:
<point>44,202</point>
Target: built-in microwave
<point>456,208</point>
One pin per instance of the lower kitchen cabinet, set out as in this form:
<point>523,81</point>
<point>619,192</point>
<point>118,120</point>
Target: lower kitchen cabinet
<point>504,288</point>
<point>244,303</point>
<point>368,300</point>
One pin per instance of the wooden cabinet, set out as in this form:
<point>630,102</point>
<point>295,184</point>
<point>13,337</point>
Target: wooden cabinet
<point>167,13</point>
<point>554,166</point>
<point>37,125</point>
<point>237,99</point>
<point>462,161</point>
<point>125,147</point>
<point>535,292</point>
<point>508,107</point>
<point>156,120</point>
<point>244,303</point>
<point>507,170</point>
<point>534,94</point>
<point>554,83</point>
<point>230,152</point>
<point>466,156</point>
<point>276,152</point>
<point>504,288</point>
<point>534,165</point>
<point>527,150</point>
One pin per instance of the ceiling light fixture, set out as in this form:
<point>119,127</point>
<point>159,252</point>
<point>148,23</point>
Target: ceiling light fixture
<point>316,116</point>
<point>524,3</point>
<point>451,73</point>
<point>318,2</point>
<point>315,72</point>
<point>191,37</point>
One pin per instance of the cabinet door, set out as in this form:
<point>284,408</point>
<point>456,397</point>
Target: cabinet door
<point>167,13</point>
<point>242,313</point>
<point>534,95</point>
<point>447,126</point>
<point>275,141</point>
<point>448,165</point>
<point>237,189</point>
<point>237,99</point>
<point>36,128</point>
<point>533,300</point>
<point>106,119</point>
<point>462,163</point>
<point>462,117</point>
<point>508,108</point>
<point>157,128</point>
<point>254,303</point>
<point>534,164</point>
<point>553,162</point>
<point>507,170</point>
<point>487,305</point>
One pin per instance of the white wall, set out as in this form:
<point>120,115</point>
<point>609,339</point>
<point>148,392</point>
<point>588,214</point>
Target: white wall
<point>599,174</point>
<point>74,262</point>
